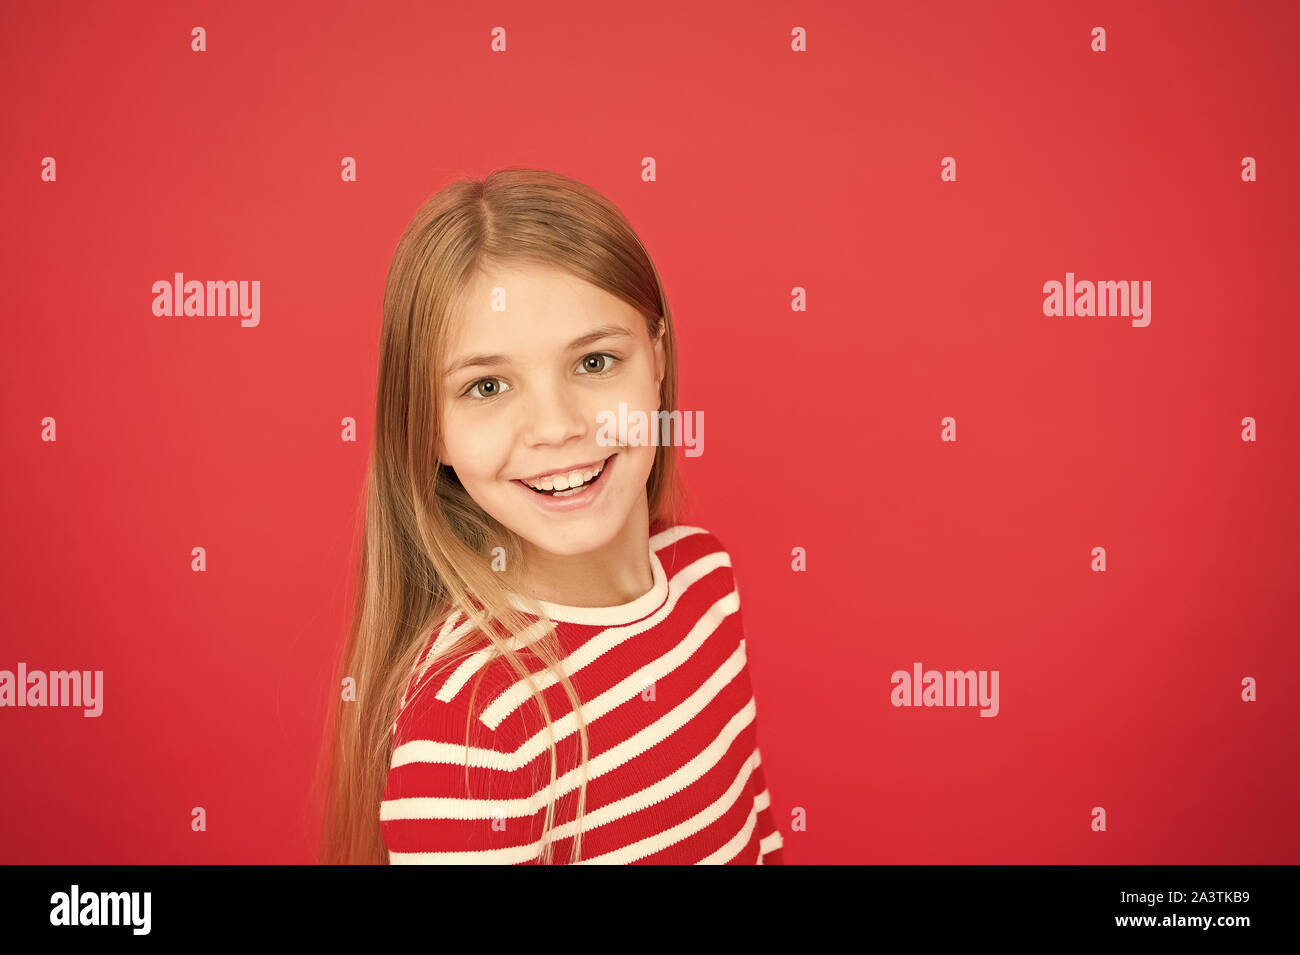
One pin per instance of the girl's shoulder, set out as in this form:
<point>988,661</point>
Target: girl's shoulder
<point>459,671</point>
<point>455,644</point>
<point>680,545</point>
<point>457,674</point>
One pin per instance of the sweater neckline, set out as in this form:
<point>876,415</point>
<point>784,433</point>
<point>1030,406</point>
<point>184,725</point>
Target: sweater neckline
<point>633,610</point>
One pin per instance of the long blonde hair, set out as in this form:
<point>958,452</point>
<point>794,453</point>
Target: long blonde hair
<point>426,544</point>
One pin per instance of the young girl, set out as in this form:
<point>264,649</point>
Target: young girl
<point>544,666</point>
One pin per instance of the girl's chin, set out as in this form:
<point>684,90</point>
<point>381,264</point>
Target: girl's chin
<point>571,537</point>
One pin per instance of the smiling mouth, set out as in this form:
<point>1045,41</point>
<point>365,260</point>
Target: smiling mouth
<point>569,491</point>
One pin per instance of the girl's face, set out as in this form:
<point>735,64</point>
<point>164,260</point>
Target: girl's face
<point>523,385</point>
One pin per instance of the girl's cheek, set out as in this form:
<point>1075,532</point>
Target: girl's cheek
<point>641,394</point>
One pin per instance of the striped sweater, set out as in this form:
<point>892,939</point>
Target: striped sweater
<point>674,774</point>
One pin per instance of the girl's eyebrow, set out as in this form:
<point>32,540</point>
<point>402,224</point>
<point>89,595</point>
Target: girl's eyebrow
<point>605,331</point>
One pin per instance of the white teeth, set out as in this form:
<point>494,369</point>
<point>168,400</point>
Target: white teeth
<point>561,482</point>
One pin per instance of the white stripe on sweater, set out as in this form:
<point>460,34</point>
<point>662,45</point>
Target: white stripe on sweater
<point>673,534</point>
<point>415,751</point>
<point>631,853</point>
<point>628,689</point>
<point>689,827</point>
<point>436,807</point>
<point>595,647</point>
<point>476,661</point>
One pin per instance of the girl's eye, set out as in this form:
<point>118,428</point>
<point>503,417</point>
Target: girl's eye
<point>498,387</point>
<point>486,388</point>
<point>597,356</point>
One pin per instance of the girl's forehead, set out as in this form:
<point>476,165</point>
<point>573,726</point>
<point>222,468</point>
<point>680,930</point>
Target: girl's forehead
<point>532,310</point>
<point>531,288</point>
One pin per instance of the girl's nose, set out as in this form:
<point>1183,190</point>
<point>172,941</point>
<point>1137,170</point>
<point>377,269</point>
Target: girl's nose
<point>553,417</point>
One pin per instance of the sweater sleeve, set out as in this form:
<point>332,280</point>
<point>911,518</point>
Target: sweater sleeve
<point>435,811</point>
<point>771,845</point>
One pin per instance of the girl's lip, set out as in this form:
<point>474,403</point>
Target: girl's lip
<point>577,467</point>
<point>574,501</point>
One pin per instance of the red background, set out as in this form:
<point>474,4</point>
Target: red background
<point>775,169</point>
